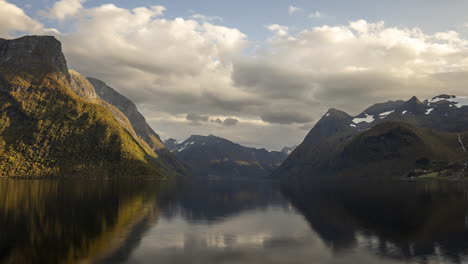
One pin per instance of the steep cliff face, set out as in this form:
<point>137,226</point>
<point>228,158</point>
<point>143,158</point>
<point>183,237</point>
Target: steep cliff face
<point>143,131</point>
<point>33,57</point>
<point>82,87</point>
<point>47,130</point>
<point>129,108</point>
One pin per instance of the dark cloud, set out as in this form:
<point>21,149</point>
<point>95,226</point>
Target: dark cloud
<point>273,81</point>
<point>230,122</point>
<point>197,118</point>
<point>286,117</point>
<point>227,122</point>
<point>217,120</point>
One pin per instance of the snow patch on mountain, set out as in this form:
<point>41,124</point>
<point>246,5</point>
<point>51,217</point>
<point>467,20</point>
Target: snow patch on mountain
<point>368,119</point>
<point>458,101</point>
<point>385,114</point>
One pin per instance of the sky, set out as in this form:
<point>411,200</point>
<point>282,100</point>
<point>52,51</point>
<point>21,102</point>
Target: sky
<point>260,73</point>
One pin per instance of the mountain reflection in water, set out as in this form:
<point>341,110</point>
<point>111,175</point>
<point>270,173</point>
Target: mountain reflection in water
<point>232,222</point>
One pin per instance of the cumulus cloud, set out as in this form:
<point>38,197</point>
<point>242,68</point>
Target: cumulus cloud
<point>350,66</point>
<point>174,68</point>
<point>64,9</point>
<point>278,29</point>
<point>293,9</point>
<point>13,19</point>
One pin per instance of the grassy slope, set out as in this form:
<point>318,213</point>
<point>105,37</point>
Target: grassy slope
<point>388,150</point>
<point>394,149</point>
<point>127,114</point>
<point>82,87</point>
<point>45,129</point>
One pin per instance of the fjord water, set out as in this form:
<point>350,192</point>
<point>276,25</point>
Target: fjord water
<point>232,222</point>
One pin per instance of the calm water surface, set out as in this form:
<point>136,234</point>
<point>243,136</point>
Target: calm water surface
<point>232,222</point>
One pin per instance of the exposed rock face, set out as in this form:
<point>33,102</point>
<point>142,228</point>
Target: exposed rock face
<point>82,87</point>
<point>34,55</point>
<point>129,108</point>
<point>210,156</point>
<point>127,113</point>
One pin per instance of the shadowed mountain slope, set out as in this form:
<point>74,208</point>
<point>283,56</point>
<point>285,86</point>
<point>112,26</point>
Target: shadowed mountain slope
<point>391,140</point>
<point>219,157</point>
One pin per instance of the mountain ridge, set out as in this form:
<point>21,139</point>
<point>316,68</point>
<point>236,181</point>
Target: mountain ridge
<point>405,141</point>
<point>214,156</point>
<point>126,110</point>
<point>46,129</point>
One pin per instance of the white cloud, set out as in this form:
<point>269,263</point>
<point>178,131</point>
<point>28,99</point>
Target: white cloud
<point>64,9</point>
<point>178,66</point>
<point>175,67</point>
<point>278,30</point>
<point>315,14</point>
<point>350,66</point>
<point>206,18</point>
<point>14,19</point>
<point>293,9</point>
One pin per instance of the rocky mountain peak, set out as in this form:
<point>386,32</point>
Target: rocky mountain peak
<point>382,109</point>
<point>414,100</point>
<point>336,114</point>
<point>82,87</point>
<point>413,107</point>
<point>171,143</point>
<point>215,156</point>
<point>33,55</point>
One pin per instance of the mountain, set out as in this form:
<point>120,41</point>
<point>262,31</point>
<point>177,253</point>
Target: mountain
<point>46,129</point>
<point>218,157</point>
<point>130,110</point>
<point>389,140</point>
<point>288,150</point>
<point>142,131</point>
<point>171,143</point>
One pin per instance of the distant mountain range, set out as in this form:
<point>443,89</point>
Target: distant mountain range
<point>218,157</point>
<point>396,139</point>
<point>53,122</point>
